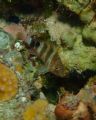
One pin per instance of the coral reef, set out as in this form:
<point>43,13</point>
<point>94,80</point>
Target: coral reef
<point>75,107</point>
<point>89,33</point>
<point>14,58</point>
<point>48,60</point>
<point>85,9</point>
<point>73,52</point>
<point>86,12</point>
<point>8,83</point>
<point>81,112</point>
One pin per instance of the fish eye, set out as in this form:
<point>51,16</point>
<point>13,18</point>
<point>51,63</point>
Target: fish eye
<point>37,44</point>
<point>32,44</point>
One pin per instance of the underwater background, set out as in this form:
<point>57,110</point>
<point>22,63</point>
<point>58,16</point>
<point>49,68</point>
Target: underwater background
<point>47,59</point>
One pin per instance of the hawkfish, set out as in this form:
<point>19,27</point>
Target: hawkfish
<point>47,52</point>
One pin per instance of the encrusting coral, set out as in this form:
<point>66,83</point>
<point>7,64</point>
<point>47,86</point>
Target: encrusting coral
<point>8,83</point>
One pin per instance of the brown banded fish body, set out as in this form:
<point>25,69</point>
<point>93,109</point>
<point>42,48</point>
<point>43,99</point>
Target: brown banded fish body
<point>47,52</point>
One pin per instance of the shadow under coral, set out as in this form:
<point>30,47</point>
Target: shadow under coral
<point>72,83</point>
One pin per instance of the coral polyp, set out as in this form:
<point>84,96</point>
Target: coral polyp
<point>8,83</point>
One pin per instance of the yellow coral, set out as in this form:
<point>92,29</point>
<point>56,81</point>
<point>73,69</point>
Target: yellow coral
<point>36,111</point>
<point>8,83</point>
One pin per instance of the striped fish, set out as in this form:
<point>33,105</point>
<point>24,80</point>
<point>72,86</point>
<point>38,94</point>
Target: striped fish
<point>48,53</point>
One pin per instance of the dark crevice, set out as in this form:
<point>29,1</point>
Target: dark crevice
<point>72,83</point>
<point>13,19</point>
<point>68,16</point>
<point>75,81</point>
<point>89,42</point>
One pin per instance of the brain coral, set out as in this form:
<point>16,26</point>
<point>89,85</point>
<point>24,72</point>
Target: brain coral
<point>36,111</point>
<point>8,83</point>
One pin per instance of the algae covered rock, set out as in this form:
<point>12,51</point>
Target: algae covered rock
<point>75,5</point>
<point>80,57</point>
<point>5,40</point>
<point>14,59</point>
<point>84,8</point>
<point>89,33</point>
<point>60,32</point>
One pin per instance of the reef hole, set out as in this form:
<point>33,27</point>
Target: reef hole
<point>65,15</point>
<point>89,42</point>
<point>72,83</point>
